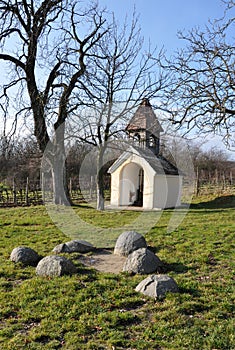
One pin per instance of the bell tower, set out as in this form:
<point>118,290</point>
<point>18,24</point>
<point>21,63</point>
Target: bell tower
<point>144,128</point>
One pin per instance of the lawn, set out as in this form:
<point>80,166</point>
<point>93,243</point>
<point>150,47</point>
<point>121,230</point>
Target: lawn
<point>93,310</point>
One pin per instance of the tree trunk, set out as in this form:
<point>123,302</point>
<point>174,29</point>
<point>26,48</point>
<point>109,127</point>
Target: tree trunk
<point>100,195</point>
<point>27,192</point>
<point>54,155</point>
<point>60,185</point>
<point>197,189</point>
<point>100,180</point>
<point>14,192</point>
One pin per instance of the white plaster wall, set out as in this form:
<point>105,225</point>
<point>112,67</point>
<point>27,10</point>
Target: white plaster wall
<point>160,191</point>
<point>114,198</point>
<point>167,191</point>
<point>174,191</point>
<point>148,186</point>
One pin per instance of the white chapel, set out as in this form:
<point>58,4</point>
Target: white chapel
<point>141,177</point>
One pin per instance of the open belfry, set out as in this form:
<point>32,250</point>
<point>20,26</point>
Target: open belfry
<point>145,128</point>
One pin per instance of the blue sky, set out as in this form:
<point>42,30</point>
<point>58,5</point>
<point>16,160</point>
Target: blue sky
<point>161,19</point>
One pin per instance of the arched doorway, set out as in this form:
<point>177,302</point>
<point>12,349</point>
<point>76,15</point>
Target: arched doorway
<point>131,185</point>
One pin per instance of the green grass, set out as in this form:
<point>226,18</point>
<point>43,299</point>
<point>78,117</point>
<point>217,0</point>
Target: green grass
<point>92,310</point>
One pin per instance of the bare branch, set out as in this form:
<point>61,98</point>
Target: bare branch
<point>202,80</point>
<point>9,58</point>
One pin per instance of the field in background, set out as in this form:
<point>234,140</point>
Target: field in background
<point>25,192</point>
<point>93,310</point>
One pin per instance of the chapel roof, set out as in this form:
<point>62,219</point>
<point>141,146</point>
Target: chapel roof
<point>158,163</point>
<point>144,119</point>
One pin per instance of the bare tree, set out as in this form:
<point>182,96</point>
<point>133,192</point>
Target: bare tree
<point>201,95</point>
<point>119,76</point>
<point>45,52</point>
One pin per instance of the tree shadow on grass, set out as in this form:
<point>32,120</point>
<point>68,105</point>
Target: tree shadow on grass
<point>192,291</point>
<point>223,202</point>
<point>82,205</point>
<point>176,267</point>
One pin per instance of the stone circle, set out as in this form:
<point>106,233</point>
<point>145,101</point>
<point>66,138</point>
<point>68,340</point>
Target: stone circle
<point>54,265</point>
<point>157,286</point>
<point>25,255</point>
<point>128,242</point>
<point>142,261</point>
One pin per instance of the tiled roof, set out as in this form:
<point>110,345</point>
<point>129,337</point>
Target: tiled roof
<point>160,164</point>
<point>144,119</point>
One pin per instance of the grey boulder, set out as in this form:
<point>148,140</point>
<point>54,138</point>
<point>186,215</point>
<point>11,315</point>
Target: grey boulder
<point>25,255</point>
<point>75,246</point>
<point>157,286</point>
<point>128,242</point>
<point>55,265</point>
<point>142,261</point>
